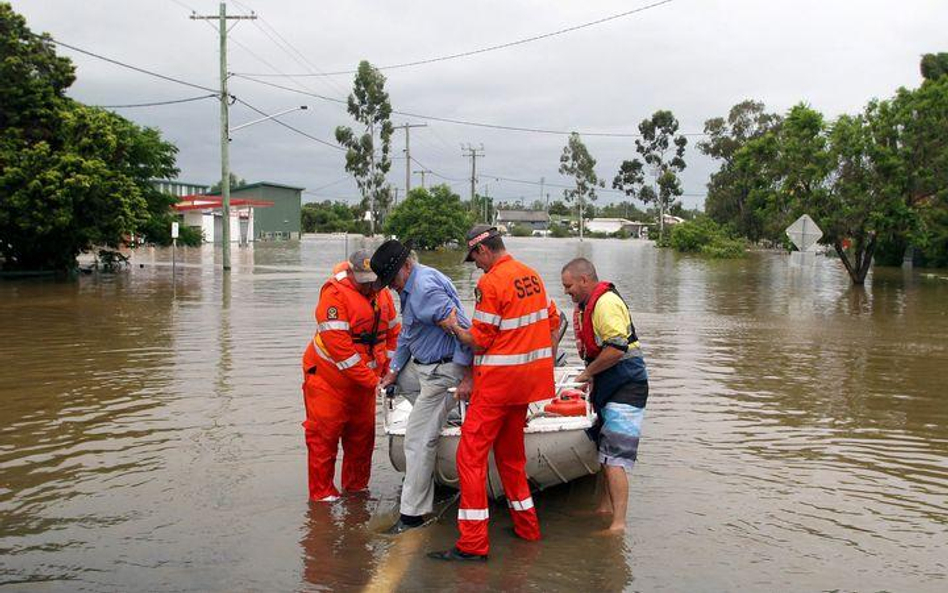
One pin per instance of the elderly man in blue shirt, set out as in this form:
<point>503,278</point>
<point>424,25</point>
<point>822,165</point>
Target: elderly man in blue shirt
<point>434,357</point>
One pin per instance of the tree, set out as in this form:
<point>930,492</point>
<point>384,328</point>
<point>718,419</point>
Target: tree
<point>625,209</point>
<point>482,208</point>
<point>914,128</point>
<point>729,189</point>
<point>558,208</point>
<point>576,162</point>
<point>328,217</point>
<point>71,176</point>
<point>934,66</point>
<point>235,183</point>
<point>369,105</point>
<point>33,81</point>
<point>847,176</point>
<point>433,218</point>
<point>663,153</point>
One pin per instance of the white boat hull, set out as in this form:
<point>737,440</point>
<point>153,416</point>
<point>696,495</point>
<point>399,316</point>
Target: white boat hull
<point>557,447</point>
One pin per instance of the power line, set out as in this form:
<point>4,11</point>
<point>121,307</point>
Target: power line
<point>493,47</point>
<point>124,65</point>
<point>436,174</point>
<point>322,187</point>
<point>157,103</point>
<point>289,127</point>
<point>461,122</point>
<point>183,5</point>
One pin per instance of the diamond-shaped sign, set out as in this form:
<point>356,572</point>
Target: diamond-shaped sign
<point>804,233</point>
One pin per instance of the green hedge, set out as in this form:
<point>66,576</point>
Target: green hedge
<point>704,236</point>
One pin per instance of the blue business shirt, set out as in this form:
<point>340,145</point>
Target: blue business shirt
<point>428,298</point>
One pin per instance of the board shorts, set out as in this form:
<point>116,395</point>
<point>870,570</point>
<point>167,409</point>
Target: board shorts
<point>619,435</point>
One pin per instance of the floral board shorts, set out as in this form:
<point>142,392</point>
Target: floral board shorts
<point>619,436</point>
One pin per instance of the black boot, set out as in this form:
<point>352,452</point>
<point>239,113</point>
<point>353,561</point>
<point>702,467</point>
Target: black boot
<point>404,523</point>
<point>455,554</point>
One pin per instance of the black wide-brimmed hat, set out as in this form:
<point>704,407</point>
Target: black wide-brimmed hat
<point>388,259</point>
<point>476,236</point>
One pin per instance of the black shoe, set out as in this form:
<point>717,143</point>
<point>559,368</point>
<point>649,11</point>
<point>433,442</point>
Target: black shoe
<point>401,527</point>
<point>455,554</point>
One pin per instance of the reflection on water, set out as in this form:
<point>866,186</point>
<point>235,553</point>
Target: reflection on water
<point>797,435</point>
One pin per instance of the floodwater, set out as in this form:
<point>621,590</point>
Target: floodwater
<point>796,435</point>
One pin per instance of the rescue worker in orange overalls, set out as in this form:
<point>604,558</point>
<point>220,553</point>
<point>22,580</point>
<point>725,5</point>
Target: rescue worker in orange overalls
<point>512,333</point>
<point>356,333</point>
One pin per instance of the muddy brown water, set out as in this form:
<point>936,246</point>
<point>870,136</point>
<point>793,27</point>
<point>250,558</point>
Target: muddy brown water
<point>796,435</point>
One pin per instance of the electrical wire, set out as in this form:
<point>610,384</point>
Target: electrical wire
<point>157,103</point>
<point>289,127</point>
<point>460,122</point>
<point>491,48</point>
<point>435,173</point>
<point>322,187</point>
<point>124,65</point>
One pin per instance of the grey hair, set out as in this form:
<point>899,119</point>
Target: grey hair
<point>581,267</point>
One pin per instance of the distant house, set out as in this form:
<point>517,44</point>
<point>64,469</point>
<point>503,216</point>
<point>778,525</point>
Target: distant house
<point>259,211</point>
<point>673,220</point>
<point>611,226</point>
<point>282,219</point>
<point>205,214</point>
<point>535,220</point>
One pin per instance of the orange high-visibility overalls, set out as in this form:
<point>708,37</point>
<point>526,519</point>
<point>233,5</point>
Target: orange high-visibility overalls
<point>354,341</point>
<point>513,366</point>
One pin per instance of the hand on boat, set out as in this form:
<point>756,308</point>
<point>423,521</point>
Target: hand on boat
<point>387,380</point>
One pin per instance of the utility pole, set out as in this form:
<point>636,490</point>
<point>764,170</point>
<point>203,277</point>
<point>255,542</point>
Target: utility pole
<point>473,153</point>
<point>407,126</point>
<point>422,172</point>
<point>222,19</point>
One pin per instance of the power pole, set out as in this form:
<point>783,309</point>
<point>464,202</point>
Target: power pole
<point>407,126</point>
<point>473,153</point>
<point>422,172</point>
<point>222,19</point>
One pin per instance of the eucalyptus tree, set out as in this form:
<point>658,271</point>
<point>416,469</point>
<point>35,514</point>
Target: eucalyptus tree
<point>368,154</point>
<point>729,199</point>
<point>576,162</point>
<point>662,149</point>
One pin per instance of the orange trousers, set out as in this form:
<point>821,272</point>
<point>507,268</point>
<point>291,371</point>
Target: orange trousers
<point>332,416</point>
<point>500,428</point>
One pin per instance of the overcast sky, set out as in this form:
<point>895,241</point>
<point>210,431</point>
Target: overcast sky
<point>694,57</point>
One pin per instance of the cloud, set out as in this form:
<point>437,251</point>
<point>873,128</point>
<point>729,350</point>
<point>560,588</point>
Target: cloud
<point>696,58</point>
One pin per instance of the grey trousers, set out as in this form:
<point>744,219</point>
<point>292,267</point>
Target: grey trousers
<point>431,404</point>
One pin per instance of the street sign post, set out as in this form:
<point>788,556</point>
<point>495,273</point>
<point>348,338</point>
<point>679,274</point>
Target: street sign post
<point>174,248</point>
<point>804,233</point>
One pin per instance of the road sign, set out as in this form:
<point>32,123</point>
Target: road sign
<point>174,230</point>
<point>804,233</point>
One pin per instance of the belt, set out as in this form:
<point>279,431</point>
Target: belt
<point>444,360</point>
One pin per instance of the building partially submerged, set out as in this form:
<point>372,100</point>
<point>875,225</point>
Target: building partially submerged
<point>535,220</point>
<point>611,226</point>
<point>258,211</point>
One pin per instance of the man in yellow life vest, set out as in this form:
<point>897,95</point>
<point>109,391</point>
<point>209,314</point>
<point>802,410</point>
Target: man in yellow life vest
<point>609,346</point>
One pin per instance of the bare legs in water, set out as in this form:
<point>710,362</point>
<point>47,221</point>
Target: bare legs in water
<point>614,497</point>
